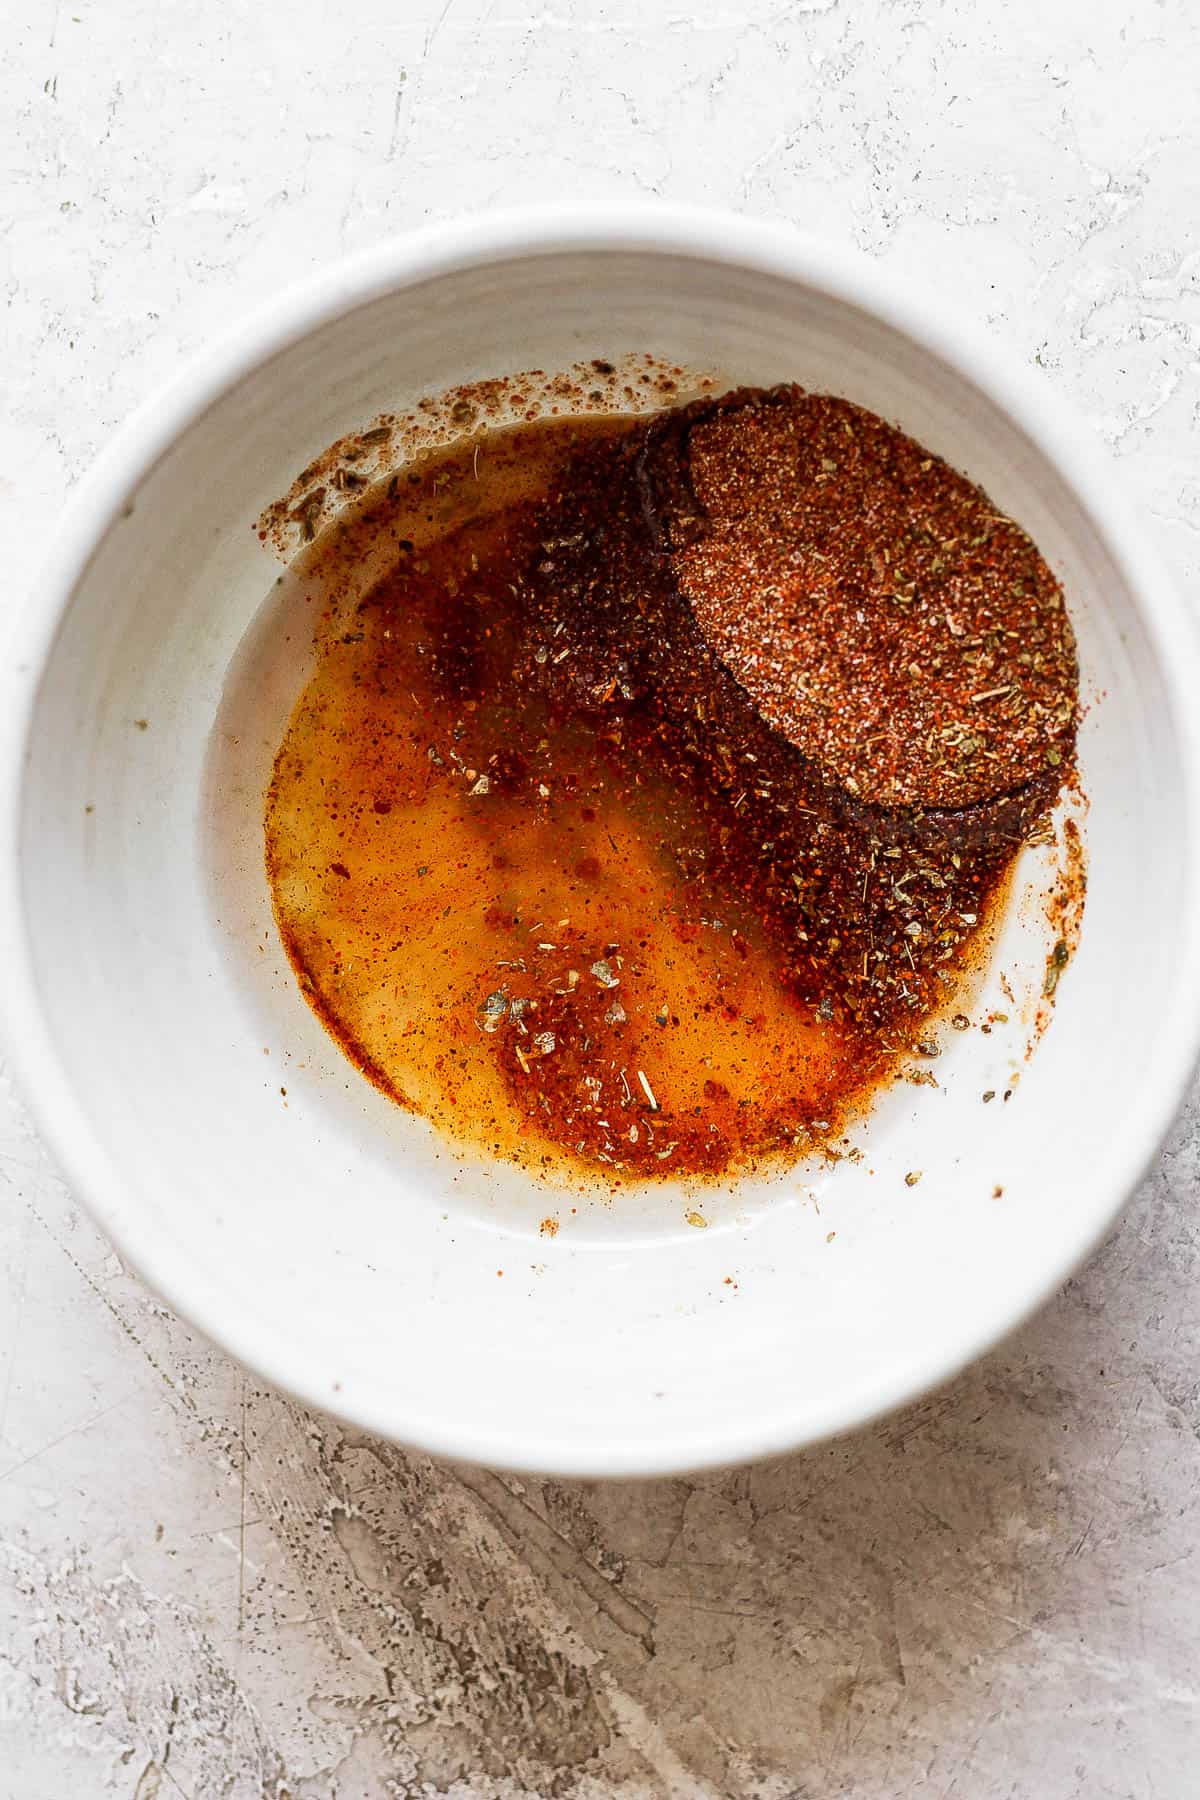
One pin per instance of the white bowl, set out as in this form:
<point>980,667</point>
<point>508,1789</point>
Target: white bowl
<point>333,1243</point>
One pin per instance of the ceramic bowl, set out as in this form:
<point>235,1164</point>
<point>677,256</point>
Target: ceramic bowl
<point>328,1239</point>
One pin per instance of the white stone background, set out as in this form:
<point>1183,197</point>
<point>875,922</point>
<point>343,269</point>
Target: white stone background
<point>207,1591</point>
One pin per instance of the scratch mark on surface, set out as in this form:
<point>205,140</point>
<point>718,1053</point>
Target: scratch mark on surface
<point>62,1437</point>
<point>222,1531</point>
<point>520,1522</point>
<point>149,1785</point>
<point>241,1608</point>
<point>435,28</point>
<point>179,1394</point>
<point>397,110</point>
<point>18,1315</point>
<point>176,1784</point>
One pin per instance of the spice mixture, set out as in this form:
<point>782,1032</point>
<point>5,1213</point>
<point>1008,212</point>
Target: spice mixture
<point>880,613</point>
<point>644,811</point>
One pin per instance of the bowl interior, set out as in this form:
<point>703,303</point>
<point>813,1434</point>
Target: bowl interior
<point>328,1237</point>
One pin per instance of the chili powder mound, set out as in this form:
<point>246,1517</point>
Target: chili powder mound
<point>881,614</point>
<point>601,875</point>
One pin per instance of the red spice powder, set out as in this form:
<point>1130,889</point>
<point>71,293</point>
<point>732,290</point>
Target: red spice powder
<point>882,615</point>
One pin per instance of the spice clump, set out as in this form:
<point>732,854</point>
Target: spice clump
<point>884,617</point>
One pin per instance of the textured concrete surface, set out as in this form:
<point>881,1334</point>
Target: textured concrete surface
<point>206,1591</point>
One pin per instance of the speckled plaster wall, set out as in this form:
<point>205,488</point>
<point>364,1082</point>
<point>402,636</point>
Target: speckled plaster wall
<point>206,1591</point>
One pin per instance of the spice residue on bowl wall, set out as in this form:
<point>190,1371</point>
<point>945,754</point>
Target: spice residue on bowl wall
<point>650,803</point>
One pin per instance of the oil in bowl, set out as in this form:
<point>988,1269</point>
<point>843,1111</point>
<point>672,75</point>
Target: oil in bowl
<point>548,873</point>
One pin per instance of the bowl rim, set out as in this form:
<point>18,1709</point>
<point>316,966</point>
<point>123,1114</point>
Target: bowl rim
<point>761,247</point>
